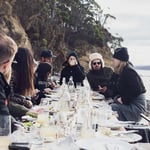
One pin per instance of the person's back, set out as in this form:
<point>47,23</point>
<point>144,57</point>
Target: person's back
<point>22,82</point>
<point>8,48</point>
<point>99,75</point>
<point>42,75</point>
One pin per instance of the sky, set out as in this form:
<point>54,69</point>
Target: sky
<point>132,23</point>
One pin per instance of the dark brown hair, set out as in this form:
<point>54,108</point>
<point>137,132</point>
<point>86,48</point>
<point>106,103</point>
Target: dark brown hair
<point>23,70</point>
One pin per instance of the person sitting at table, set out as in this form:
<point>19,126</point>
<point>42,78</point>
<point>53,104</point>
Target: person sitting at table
<point>8,49</point>
<point>42,82</point>
<point>129,101</point>
<point>22,83</point>
<point>43,73</point>
<point>98,75</point>
<point>72,68</point>
<point>47,56</point>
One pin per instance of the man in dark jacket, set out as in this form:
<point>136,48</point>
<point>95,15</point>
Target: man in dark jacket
<point>98,75</point>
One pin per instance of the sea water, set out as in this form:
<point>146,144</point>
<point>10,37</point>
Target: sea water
<point>145,75</point>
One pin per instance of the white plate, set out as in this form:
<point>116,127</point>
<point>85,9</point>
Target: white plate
<point>103,143</point>
<point>130,137</point>
<point>97,96</point>
<point>111,125</point>
<point>28,118</point>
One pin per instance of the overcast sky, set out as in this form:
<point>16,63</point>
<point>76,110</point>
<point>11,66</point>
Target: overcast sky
<point>132,24</point>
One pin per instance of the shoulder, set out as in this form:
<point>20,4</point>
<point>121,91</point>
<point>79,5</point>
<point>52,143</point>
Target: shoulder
<point>81,67</point>
<point>108,70</point>
<point>130,72</point>
<point>65,69</point>
<point>129,69</point>
<point>89,73</point>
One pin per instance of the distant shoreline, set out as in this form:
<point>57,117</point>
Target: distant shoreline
<point>142,67</point>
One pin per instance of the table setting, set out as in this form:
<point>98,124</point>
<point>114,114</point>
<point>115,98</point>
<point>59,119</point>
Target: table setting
<point>75,122</point>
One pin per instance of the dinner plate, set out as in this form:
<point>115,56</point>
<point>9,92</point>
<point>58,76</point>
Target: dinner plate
<point>130,137</point>
<point>111,125</point>
<point>97,96</point>
<point>102,143</point>
<point>28,118</point>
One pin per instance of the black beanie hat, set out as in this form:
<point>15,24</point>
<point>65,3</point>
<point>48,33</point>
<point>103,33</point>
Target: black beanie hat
<point>121,54</point>
<point>72,53</point>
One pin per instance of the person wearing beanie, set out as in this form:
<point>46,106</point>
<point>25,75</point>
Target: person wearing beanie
<point>121,54</point>
<point>129,97</point>
<point>72,68</point>
<point>98,75</point>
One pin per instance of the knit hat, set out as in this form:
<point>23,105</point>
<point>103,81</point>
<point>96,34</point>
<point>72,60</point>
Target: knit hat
<point>121,54</point>
<point>72,53</point>
<point>94,56</point>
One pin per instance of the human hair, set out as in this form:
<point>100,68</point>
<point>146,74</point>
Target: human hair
<point>23,70</point>
<point>119,68</point>
<point>8,48</point>
<point>43,71</point>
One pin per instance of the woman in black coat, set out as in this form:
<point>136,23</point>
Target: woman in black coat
<point>72,68</point>
<point>129,88</point>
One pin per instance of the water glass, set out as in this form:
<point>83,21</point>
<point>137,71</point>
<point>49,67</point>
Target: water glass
<point>43,118</point>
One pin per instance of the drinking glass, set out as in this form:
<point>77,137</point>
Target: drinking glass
<point>43,118</point>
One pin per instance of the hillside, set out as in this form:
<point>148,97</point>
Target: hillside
<point>60,26</point>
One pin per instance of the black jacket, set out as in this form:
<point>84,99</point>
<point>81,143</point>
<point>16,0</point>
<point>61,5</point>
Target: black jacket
<point>77,72</point>
<point>4,92</point>
<point>100,77</point>
<point>129,85</point>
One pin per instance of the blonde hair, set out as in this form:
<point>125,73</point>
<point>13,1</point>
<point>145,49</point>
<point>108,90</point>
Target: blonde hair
<point>8,48</point>
<point>119,68</point>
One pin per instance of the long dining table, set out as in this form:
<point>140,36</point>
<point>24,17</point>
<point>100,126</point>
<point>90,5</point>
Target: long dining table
<point>84,121</point>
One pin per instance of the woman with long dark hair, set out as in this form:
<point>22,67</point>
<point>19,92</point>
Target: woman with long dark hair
<point>22,83</point>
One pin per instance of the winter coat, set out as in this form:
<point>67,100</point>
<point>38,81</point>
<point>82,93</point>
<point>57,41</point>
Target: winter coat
<point>130,88</point>
<point>77,72</point>
<point>4,92</point>
<point>129,84</point>
<point>100,77</point>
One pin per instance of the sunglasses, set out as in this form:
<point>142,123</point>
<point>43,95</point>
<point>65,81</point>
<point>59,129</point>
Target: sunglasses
<point>94,63</point>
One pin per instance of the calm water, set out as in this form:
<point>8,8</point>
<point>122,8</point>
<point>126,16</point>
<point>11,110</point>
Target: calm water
<point>145,75</point>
